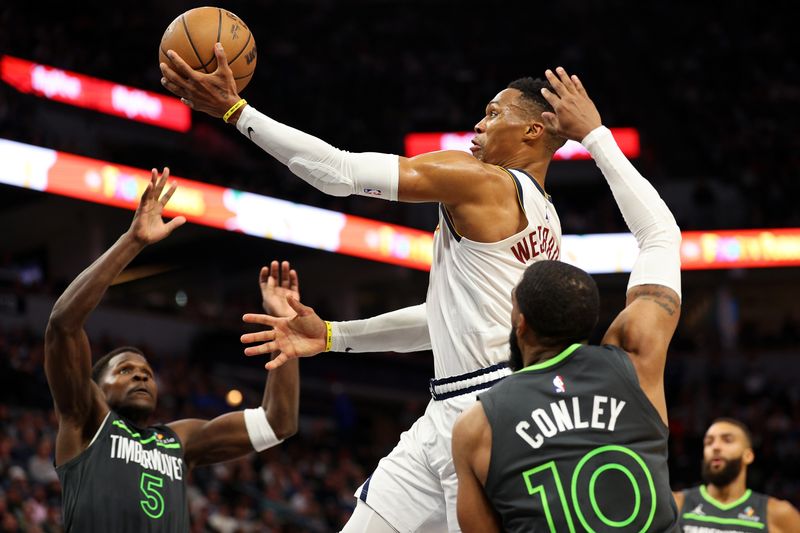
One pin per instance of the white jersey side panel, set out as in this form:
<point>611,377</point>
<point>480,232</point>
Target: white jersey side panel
<point>469,294</point>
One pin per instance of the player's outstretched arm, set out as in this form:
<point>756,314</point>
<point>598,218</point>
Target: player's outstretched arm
<point>79,403</point>
<point>645,328</point>
<point>471,447</point>
<point>782,516</point>
<point>305,334</point>
<point>449,177</point>
<point>238,433</point>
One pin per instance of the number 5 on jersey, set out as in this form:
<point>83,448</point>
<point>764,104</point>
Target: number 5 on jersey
<point>153,504</point>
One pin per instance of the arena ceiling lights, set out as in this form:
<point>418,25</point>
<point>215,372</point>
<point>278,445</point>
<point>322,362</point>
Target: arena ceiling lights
<point>95,94</point>
<point>47,170</point>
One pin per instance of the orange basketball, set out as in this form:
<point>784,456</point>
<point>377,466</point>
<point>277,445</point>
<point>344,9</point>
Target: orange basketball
<point>193,34</point>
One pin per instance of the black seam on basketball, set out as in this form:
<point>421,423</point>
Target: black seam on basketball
<point>249,36</point>
<point>186,30</point>
<point>245,76</point>
<point>219,25</point>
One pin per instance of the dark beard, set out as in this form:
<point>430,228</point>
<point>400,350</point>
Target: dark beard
<point>515,357</point>
<point>725,476</point>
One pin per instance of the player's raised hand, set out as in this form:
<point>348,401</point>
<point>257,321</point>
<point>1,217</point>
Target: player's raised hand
<point>212,93</point>
<point>147,226</point>
<point>575,113</point>
<point>278,282</point>
<point>302,335</point>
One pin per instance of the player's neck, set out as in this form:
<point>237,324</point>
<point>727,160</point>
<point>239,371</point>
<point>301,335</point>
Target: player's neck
<point>535,355</point>
<point>535,167</point>
<point>730,492</point>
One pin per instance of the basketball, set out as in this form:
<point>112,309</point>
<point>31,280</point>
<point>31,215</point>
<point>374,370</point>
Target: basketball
<point>193,34</point>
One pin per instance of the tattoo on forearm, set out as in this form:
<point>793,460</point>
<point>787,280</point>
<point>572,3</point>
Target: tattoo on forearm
<point>660,297</point>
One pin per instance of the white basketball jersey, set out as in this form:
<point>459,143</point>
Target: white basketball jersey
<point>469,295</point>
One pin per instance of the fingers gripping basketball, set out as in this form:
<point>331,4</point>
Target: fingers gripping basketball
<point>193,34</point>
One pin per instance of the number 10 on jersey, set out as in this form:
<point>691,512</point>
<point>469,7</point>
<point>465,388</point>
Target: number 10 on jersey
<point>544,481</point>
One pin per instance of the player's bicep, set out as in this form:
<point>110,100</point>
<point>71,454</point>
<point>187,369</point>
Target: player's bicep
<point>449,177</point>
<point>212,441</point>
<point>475,512</point>
<point>646,325</point>
<point>68,367</point>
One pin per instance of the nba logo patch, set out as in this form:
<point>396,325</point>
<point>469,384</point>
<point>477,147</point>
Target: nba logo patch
<point>558,383</point>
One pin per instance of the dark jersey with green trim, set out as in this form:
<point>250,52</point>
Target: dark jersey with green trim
<point>577,446</point>
<point>129,480</point>
<point>701,513</point>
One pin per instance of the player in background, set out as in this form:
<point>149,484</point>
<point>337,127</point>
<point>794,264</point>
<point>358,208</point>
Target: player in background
<point>576,438</point>
<point>117,472</point>
<point>495,219</point>
<point>724,503</point>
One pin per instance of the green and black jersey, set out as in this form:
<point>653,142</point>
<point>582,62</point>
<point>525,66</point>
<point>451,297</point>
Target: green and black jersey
<point>703,514</point>
<point>577,446</point>
<point>129,480</point>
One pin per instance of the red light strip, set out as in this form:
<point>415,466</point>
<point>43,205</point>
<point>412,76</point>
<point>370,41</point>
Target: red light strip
<point>101,182</point>
<point>92,93</point>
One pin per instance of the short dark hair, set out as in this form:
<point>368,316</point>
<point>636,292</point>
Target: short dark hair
<point>739,424</point>
<point>560,302</point>
<point>101,365</point>
<point>531,89</point>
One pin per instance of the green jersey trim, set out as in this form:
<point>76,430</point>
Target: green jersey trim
<point>136,435</point>
<point>724,521</point>
<point>723,506</point>
<point>552,361</point>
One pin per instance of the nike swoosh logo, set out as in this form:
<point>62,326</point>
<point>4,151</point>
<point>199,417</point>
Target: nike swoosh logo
<point>250,133</point>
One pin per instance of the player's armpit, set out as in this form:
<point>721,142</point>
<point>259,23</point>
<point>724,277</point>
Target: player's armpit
<point>782,516</point>
<point>475,512</point>
<point>449,177</point>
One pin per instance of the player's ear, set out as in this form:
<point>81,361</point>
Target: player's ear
<point>521,327</point>
<point>534,130</point>
<point>748,456</point>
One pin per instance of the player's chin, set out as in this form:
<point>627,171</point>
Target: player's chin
<point>141,402</point>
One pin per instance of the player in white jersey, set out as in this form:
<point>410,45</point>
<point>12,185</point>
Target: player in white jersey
<point>495,219</point>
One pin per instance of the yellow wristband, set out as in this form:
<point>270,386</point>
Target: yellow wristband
<point>328,336</point>
<point>234,108</point>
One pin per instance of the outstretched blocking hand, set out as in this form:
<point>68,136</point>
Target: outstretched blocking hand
<point>302,335</point>
<point>575,114</point>
<point>212,93</point>
<point>278,282</point>
<point>147,226</point>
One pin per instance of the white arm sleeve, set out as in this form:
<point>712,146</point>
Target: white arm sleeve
<point>645,213</point>
<point>326,168</point>
<point>404,330</point>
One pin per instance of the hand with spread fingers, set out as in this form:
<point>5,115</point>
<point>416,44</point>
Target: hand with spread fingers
<point>278,282</point>
<point>575,113</point>
<point>212,93</point>
<point>300,333</point>
<point>147,226</point>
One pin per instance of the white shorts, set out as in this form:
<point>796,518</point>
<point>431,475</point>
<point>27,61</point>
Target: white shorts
<point>414,488</point>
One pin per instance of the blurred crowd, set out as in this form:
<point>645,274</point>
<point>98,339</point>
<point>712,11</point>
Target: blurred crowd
<point>708,89</point>
<point>307,483</point>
